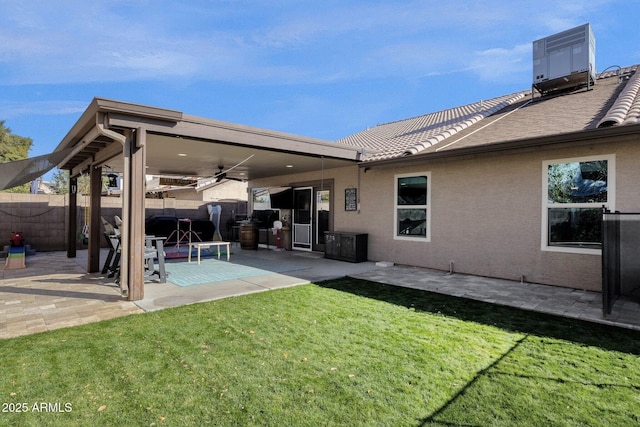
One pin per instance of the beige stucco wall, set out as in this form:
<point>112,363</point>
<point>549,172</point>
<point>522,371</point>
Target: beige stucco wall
<point>486,213</point>
<point>486,216</point>
<point>227,191</point>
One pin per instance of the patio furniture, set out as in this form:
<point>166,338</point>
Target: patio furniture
<point>113,239</point>
<point>200,245</point>
<point>346,246</point>
<point>154,249</point>
<point>118,221</point>
<point>112,262</point>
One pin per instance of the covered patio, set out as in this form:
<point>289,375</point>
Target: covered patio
<point>136,140</point>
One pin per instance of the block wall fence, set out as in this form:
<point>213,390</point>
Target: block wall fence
<point>42,218</point>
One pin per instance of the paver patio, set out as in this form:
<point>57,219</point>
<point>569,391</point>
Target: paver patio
<point>55,291</point>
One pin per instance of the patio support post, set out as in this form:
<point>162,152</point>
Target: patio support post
<point>73,217</point>
<point>133,207</point>
<point>95,176</point>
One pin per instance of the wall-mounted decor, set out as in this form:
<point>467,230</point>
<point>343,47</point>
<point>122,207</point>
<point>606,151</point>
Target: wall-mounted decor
<point>351,199</point>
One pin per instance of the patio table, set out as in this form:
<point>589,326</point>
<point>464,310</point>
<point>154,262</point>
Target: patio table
<point>200,245</point>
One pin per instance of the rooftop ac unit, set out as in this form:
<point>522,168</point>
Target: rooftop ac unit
<point>564,60</point>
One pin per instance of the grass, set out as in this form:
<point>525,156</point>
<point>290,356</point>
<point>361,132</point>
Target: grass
<point>344,352</point>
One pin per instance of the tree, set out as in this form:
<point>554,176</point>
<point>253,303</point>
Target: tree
<point>61,183</point>
<point>578,182</point>
<point>12,148</point>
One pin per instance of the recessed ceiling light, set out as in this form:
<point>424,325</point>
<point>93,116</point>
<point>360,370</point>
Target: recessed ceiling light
<point>182,155</point>
<point>289,166</point>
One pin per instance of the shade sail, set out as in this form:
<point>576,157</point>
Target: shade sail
<point>23,171</point>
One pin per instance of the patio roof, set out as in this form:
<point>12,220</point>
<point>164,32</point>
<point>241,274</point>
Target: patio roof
<point>185,145</point>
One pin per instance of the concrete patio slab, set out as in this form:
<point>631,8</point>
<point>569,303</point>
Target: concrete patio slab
<point>310,267</point>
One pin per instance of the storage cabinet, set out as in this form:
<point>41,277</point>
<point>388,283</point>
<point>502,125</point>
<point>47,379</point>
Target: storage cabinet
<point>346,246</point>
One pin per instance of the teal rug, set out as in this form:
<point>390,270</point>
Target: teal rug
<point>210,270</point>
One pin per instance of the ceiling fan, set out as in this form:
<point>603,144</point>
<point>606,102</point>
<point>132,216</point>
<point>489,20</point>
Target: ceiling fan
<point>220,176</point>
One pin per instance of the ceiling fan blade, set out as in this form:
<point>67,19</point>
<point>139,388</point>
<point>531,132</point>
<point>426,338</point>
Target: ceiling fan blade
<point>203,184</point>
<point>234,166</point>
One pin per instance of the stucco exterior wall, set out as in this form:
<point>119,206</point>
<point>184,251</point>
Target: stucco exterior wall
<point>486,213</point>
<point>229,191</point>
<point>487,216</point>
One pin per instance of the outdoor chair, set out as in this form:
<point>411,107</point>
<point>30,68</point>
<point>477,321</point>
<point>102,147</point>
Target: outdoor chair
<point>154,249</point>
<point>113,239</point>
<point>118,221</point>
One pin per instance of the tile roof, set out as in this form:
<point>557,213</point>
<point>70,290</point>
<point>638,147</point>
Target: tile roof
<point>626,109</point>
<point>411,136</point>
<point>613,101</point>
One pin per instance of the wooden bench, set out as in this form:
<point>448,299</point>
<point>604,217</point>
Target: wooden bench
<point>201,245</point>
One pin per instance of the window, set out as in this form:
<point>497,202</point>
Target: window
<point>411,210</point>
<point>574,192</point>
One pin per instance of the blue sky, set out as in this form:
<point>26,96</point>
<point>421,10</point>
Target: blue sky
<point>321,69</point>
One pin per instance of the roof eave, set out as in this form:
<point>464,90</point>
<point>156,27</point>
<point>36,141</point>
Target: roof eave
<point>102,105</point>
<point>237,134</point>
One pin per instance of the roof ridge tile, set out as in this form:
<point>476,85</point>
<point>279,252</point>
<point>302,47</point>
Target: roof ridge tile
<point>410,136</point>
<point>457,127</point>
<point>626,108</point>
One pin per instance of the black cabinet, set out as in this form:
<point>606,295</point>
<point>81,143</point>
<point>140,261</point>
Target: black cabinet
<point>345,246</point>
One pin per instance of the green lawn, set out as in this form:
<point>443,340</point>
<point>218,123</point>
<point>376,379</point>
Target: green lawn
<point>345,352</point>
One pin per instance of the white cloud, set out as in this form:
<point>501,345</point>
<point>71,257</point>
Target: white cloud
<point>14,109</point>
<point>498,63</point>
<point>270,41</point>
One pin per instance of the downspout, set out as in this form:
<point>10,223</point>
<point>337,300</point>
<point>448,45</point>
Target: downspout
<point>124,234</point>
<point>104,131</point>
<point>98,130</point>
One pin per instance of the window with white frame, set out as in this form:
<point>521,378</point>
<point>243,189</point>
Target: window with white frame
<point>412,212</point>
<point>574,192</point>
